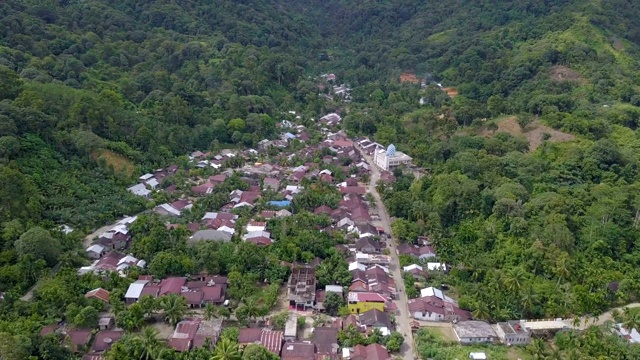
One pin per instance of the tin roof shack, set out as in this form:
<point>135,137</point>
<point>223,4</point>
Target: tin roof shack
<point>513,333</point>
<point>301,288</point>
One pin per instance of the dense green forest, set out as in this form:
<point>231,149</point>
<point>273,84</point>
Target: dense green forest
<point>93,93</point>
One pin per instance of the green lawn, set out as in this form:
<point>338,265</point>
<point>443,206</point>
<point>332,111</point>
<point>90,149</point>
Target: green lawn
<point>436,343</point>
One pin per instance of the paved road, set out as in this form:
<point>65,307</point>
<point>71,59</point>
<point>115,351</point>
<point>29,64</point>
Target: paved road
<point>403,320</point>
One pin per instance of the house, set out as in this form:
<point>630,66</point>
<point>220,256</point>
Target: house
<point>432,308</point>
<point>193,298</point>
<point>103,341</point>
<point>106,323</point>
<point>195,333</point>
<point>272,340</point>
<point>323,209</point>
<point>368,245</point>
<point>513,333</point>
<point>255,234</point>
<point>112,261</point>
<point>298,350</point>
<point>134,292</point>
<point>359,302</point>
<point>166,210</point>
<point>372,259</point>
<point>254,226</point>
<point>217,179</point>
<point>375,318</point>
<point>416,270</point>
<point>283,213</point>
<point>378,281</point>
<point>95,251</point>
<point>358,190</point>
<point>260,240</point>
<point>326,341</point>
<point>330,119</point>
<point>291,328</point>
<point>79,339</point>
<point>301,287</point>
<point>210,235</point>
<point>473,331</point>
<point>421,252</point>
<point>369,352</point>
<point>204,189</point>
<point>172,285</point>
<point>271,183</point>
<point>436,266</point>
<point>99,294</point>
<point>139,190</point>
<point>431,291</point>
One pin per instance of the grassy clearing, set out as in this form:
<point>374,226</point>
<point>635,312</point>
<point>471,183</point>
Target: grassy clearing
<point>120,164</point>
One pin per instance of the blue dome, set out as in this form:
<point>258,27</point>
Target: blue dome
<point>391,150</point>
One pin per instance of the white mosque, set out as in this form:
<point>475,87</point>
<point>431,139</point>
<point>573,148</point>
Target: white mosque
<point>390,158</point>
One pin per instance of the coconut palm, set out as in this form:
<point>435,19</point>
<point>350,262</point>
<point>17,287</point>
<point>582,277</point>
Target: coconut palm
<point>226,350</point>
<point>528,299</point>
<point>147,342</point>
<point>515,278</point>
<point>420,210</point>
<point>210,311</point>
<point>630,319</point>
<point>537,349</point>
<point>250,309</point>
<point>174,307</point>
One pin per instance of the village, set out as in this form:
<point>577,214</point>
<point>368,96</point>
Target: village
<point>374,305</point>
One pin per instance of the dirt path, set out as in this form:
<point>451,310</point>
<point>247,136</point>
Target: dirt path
<point>587,321</point>
<point>89,238</point>
<point>403,320</point>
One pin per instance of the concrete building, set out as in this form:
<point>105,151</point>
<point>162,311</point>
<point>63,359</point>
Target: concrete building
<point>291,328</point>
<point>301,288</point>
<point>391,158</point>
<point>471,332</point>
<point>513,333</point>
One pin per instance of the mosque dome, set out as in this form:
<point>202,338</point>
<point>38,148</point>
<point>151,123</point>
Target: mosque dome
<point>391,150</point>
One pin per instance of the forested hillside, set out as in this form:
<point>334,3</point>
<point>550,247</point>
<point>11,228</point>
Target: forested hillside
<point>531,170</point>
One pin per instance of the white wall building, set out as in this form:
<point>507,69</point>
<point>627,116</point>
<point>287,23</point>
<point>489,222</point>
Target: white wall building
<point>390,159</point>
<point>513,333</point>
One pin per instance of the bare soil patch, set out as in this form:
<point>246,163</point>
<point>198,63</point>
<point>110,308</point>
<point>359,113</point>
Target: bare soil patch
<point>165,331</point>
<point>561,73</point>
<point>409,77</point>
<point>534,132</point>
<point>616,43</point>
<point>451,91</point>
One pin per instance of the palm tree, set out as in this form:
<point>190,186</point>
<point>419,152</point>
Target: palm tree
<point>537,349</point>
<point>210,311</point>
<point>528,298</point>
<point>515,278</point>
<point>420,210</point>
<point>174,308</point>
<point>148,343</point>
<point>631,319</point>
<point>226,350</point>
<point>481,312</point>
<point>250,308</point>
